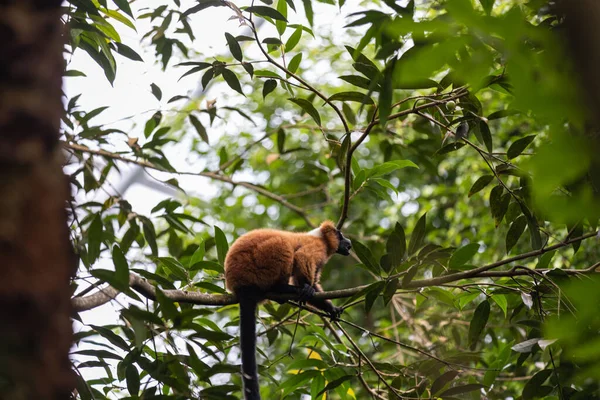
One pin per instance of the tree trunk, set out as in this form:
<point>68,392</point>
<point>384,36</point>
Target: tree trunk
<point>35,254</point>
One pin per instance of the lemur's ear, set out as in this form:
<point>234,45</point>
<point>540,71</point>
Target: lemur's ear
<point>328,226</point>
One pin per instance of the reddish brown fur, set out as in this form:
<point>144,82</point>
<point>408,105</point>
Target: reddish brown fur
<point>267,257</point>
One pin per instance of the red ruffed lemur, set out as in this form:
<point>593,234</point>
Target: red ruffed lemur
<point>267,261</point>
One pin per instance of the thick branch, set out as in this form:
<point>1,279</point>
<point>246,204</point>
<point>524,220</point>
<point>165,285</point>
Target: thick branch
<point>211,175</point>
<point>147,290</point>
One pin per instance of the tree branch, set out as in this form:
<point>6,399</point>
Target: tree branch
<point>147,290</point>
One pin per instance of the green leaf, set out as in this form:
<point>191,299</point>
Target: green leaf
<point>296,381</point>
<point>124,5</point>
<point>461,256</point>
<point>386,95</point>
<point>149,234</point>
<point>156,91</point>
<point>374,291</point>
<point>199,128</point>
<point>544,260</point>
<point>167,306</point>
<point>198,255</point>
<point>352,96</point>
<point>94,237</point>
<point>448,148</point>
<point>234,47</point>
<point>232,81</point>
<point>74,73</point>
<point>478,322</point>
<point>484,135</point>
<point>418,235</point>
<point>471,387</point>
<point>359,81</point>
<point>295,63</point>
<point>206,265</point>
<point>111,337</point>
<point>266,12</point>
<point>500,299</point>
<point>517,147</point>
<point>389,167</point>
<point>132,377</point>
<point>480,184</point>
<point>293,39</point>
<point>533,388</point>
<point>281,25</point>
<point>222,245</point>
<point>308,107</point>
<point>442,380</point>
<point>173,266</point>
<point>335,383</point>
<point>487,6</point>
<point>515,231</point>
<point>128,52</point>
<point>308,10</point>
<point>390,290</point>
<point>396,248</point>
<point>366,257</point>
<point>501,113</point>
<point>281,141</point>
<point>121,267</point>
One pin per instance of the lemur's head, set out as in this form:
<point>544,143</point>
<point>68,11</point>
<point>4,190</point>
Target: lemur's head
<point>335,240</point>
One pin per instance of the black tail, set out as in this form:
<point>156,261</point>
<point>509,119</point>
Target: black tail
<point>248,298</point>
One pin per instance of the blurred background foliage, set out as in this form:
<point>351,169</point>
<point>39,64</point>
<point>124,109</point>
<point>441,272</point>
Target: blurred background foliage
<point>456,132</point>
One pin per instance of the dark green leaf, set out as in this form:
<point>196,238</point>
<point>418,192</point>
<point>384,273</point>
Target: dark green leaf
<point>374,292</point>
<point>124,5</point>
<point>199,128</point>
<point>418,235</point>
<point>515,231</point>
<point>442,380</point>
<point>484,135</point>
<point>533,388</point>
<point>448,148</point>
<point>501,113</point>
<point>234,47</point>
<point>352,96</point>
<point>132,377</point>
<point>487,5</point>
<point>222,245</point>
<point>478,322</point>
<point>357,80</point>
<point>461,256</point>
<point>335,383</point>
<point>266,11</point>
<point>156,91</point>
<point>365,256</point>
<point>517,147</point>
<point>471,387</point>
<point>232,81</point>
<point>121,267</point>
<point>149,234</point>
<point>410,274</point>
<point>308,107</point>
<point>281,141</point>
<point>390,290</point>
<point>128,52</point>
<point>268,87</point>
<point>480,183</point>
<point>94,237</point>
<point>396,247</point>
